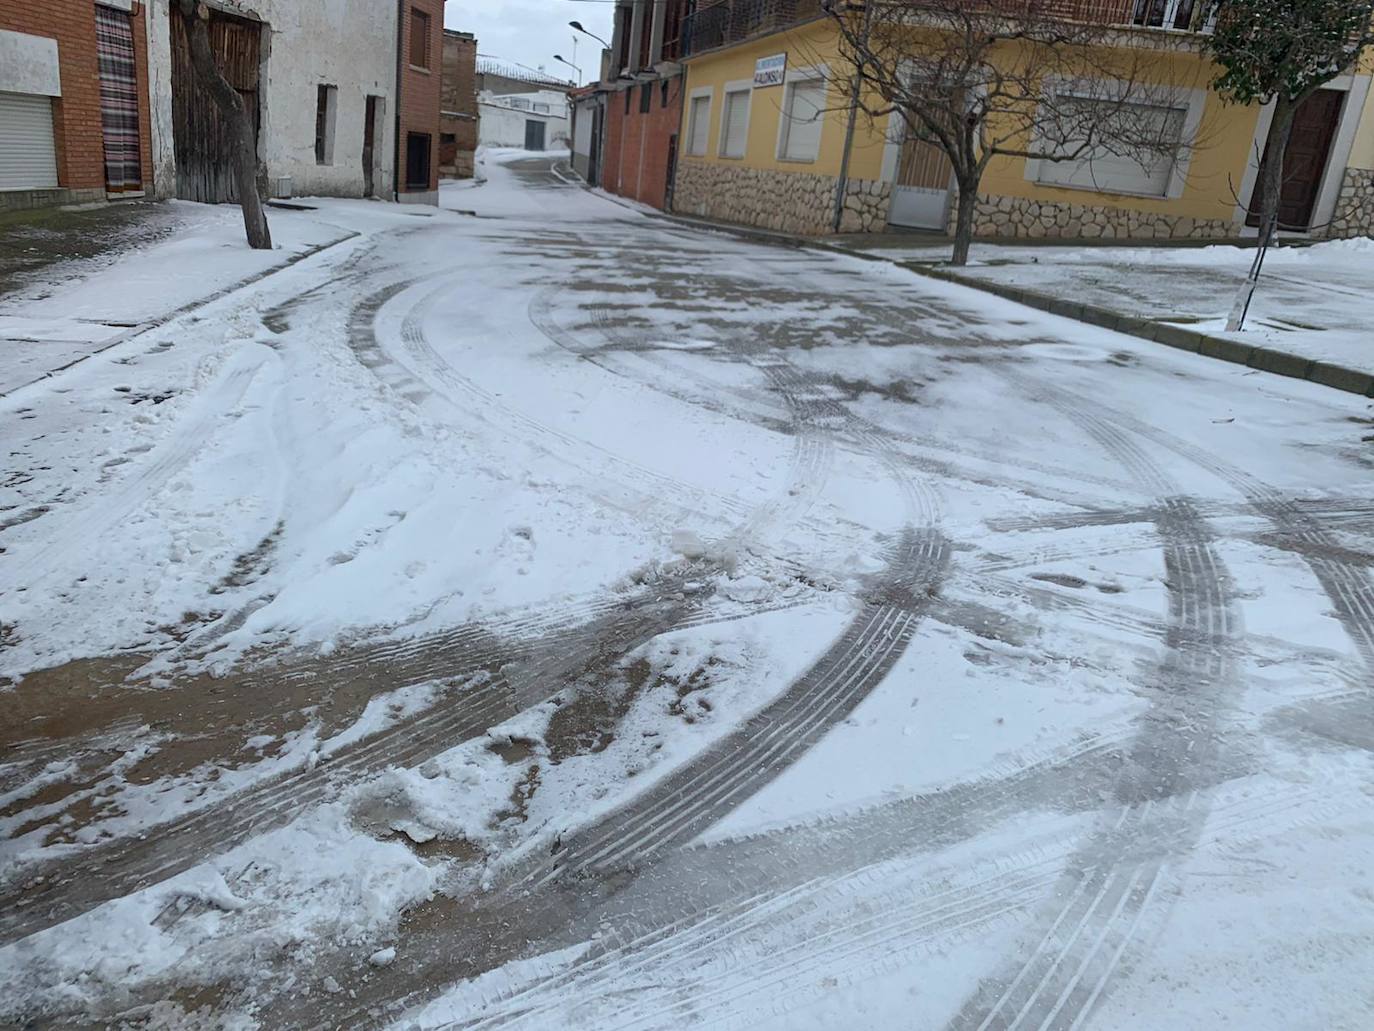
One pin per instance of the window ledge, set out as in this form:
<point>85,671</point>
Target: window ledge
<point>1100,192</point>
<point>422,71</point>
<point>799,161</point>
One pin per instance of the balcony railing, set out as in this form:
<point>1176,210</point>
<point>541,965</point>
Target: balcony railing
<point>717,23</point>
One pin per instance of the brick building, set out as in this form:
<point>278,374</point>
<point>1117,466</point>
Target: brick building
<point>419,81</point>
<point>74,120</point>
<point>644,101</point>
<point>458,114</point>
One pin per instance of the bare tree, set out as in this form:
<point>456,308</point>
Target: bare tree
<point>195,18</point>
<point>1035,79</point>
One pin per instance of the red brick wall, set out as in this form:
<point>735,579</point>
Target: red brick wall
<point>637,145</point>
<point>76,114</point>
<point>420,89</point>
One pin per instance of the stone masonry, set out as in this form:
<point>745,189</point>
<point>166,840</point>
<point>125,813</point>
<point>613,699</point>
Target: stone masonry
<point>792,202</point>
<point>1023,217</point>
<point>1354,214</point>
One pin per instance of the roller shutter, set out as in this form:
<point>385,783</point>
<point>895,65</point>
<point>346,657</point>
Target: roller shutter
<point>28,159</point>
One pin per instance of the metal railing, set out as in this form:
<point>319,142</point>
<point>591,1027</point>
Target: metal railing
<point>723,22</point>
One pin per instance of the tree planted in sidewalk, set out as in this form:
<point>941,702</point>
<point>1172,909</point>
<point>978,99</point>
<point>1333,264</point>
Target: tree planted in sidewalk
<point>195,19</point>
<point>1284,51</point>
<point>979,80</point>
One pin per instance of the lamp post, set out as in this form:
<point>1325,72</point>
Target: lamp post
<point>578,26</point>
<point>572,66</point>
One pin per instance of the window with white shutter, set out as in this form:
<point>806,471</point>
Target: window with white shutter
<point>1145,173</point>
<point>734,124</point>
<point>699,125</point>
<point>802,119</point>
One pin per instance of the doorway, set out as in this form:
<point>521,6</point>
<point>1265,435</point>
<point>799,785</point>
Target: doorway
<point>417,160</point>
<point>1304,162</point>
<point>370,120</point>
<point>534,134</point>
<point>920,191</point>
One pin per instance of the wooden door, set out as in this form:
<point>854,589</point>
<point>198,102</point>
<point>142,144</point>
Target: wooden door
<point>369,145</point>
<point>1304,163</point>
<point>200,136</point>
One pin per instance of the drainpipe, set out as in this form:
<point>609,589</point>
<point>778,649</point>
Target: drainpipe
<point>842,182</point>
<point>396,118</point>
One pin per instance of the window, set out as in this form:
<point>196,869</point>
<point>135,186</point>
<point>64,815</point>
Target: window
<point>448,139</point>
<point>627,101</point>
<point>663,93</point>
<point>326,111</point>
<point>734,123</point>
<point>646,95</point>
<point>419,38</point>
<point>698,125</point>
<point>541,109</point>
<point>803,107</point>
<point>417,161</point>
<point>1117,169</point>
<point>519,103</point>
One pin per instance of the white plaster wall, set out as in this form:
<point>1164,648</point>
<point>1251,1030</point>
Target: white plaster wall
<point>28,64</point>
<point>350,44</point>
<point>504,126</point>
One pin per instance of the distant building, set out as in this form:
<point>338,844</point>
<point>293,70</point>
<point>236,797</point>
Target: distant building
<point>534,121</point>
<point>74,118</point>
<point>458,115</point>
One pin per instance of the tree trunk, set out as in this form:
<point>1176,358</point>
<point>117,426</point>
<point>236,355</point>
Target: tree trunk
<point>195,17</point>
<point>1275,147</point>
<point>963,220</point>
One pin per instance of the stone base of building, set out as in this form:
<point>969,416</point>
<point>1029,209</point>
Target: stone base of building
<point>789,202</point>
<point>25,200</point>
<point>1027,218</point>
<point>1354,215</point>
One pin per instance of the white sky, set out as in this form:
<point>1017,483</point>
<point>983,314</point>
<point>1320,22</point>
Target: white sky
<point>532,31</point>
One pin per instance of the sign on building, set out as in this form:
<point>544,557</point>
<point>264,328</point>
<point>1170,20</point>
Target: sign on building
<point>770,71</point>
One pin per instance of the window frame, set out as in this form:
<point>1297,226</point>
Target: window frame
<point>419,17</point>
<point>785,120</point>
<point>1192,102</point>
<point>729,90</point>
<point>701,92</point>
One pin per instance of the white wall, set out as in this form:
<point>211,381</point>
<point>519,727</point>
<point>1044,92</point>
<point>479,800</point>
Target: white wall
<point>350,44</point>
<point>503,124</point>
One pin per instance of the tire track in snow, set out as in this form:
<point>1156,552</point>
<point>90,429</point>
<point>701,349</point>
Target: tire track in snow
<point>98,512</point>
<point>1057,978</point>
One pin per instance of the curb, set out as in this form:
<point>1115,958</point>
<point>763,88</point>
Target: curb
<point>1262,359</point>
<point>162,320</point>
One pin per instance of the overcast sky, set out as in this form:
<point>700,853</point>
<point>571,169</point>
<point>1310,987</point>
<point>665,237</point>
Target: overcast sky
<point>532,31</point>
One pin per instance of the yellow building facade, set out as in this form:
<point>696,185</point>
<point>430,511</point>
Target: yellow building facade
<point>766,130</point>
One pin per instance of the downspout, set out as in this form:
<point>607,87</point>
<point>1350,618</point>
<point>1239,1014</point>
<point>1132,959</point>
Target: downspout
<point>842,182</point>
<point>396,118</point>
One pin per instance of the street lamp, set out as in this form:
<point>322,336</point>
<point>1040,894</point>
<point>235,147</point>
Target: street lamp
<point>578,26</point>
<point>572,66</point>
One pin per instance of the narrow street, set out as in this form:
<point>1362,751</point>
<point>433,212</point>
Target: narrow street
<point>536,613</point>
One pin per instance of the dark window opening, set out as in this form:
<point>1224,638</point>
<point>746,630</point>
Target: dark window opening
<point>419,38</point>
<point>417,161</point>
<point>663,94</point>
<point>646,94</point>
<point>627,101</point>
<point>446,138</point>
<point>326,104</point>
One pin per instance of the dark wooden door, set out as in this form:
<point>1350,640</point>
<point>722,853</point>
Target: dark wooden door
<point>534,134</point>
<point>369,144</point>
<point>1314,127</point>
<point>200,136</point>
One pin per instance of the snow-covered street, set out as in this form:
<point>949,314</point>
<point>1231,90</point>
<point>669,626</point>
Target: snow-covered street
<point>535,613</point>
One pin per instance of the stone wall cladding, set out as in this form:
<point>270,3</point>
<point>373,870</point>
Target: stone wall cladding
<point>790,202</point>
<point>1354,214</point>
<point>1025,217</point>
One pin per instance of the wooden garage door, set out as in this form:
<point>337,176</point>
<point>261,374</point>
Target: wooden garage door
<point>200,135</point>
<point>28,159</point>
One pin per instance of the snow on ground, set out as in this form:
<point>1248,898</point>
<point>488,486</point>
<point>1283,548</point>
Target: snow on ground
<point>1312,300</point>
<point>535,613</point>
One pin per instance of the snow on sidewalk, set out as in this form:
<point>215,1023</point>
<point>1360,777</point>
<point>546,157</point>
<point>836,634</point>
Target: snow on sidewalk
<point>1317,301</point>
<point>76,307</point>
